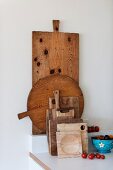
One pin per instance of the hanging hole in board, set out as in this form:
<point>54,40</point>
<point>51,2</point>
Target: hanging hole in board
<point>56,28</point>
<point>52,71</point>
<point>82,127</point>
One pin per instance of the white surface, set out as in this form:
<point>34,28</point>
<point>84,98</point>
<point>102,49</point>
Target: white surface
<point>68,163</point>
<point>33,165</point>
<point>38,144</point>
<point>72,163</point>
<point>93,19</point>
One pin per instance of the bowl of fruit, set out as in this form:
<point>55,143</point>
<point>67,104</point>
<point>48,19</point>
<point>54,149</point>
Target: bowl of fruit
<point>103,143</point>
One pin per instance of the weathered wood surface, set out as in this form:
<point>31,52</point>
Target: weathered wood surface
<point>52,129</point>
<point>56,25</point>
<point>53,114</point>
<point>55,52</point>
<point>66,113</point>
<point>66,102</point>
<point>82,127</point>
<point>71,127</point>
<point>43,89</point>
<point>69,144</point>
<point>56,95</point>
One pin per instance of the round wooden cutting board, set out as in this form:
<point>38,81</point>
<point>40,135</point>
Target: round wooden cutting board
<point>38,99</point>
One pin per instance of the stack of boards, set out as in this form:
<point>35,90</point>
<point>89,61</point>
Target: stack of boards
<point>55,69</point>
<point>66,134</point>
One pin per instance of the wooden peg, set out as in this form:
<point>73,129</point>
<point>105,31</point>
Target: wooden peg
<point>56,25</point>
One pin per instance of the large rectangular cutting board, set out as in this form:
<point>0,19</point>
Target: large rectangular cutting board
<point>55,52</point>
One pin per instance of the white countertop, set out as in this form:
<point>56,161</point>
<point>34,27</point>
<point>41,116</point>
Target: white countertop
<point>48,162</point>
<point>39,154</point>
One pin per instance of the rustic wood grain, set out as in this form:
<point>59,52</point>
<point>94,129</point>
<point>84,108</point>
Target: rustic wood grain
<point>69,144</point>
<point>82,127</point>
<point>56,25</point>
<point>56,95</point>
<point>55,52</point>
<point>37,117</point>
<point>53,114</point>
<point>52,53</point>
<point>71,127</point>
<point>64,112</point>
<point>43,89</point>
<point>40,162</point>
<point>84,137</point>
<point>52,129</point>
<point>66,102</point>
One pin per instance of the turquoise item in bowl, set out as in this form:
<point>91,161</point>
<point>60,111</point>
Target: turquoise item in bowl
<point>103,146</point>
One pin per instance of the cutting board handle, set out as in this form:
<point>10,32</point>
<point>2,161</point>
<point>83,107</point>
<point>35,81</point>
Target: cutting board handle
<point>56,25</point>
<point>56,94</point>
<point>24,114</point>
<point>27,113</point>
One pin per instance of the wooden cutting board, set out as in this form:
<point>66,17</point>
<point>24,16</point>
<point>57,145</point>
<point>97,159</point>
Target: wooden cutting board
<point>69,144</point>
<point>82,127</point>
<point>52,129</point>
<point>43,89</point>
<point>66,102</point>
<point>38,99</point>
<point>51,114</point>
<point>55,53</point>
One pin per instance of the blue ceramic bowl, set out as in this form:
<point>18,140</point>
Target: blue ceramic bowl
<point>103,146</point>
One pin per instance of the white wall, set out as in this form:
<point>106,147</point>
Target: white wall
<point>93,19</point>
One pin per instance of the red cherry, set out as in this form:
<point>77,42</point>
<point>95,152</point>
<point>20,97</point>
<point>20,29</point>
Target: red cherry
<point>96,128</point>
<point>98,156</point>
<point>102,156</point>
<point>91,156</point>
<point>89,129</point>
<point>92,129</point>
<point>84,155</point>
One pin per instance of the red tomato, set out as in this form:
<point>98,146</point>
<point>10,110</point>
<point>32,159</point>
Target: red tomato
<point>91,156</point>
<point>98,156</point>
<point>84,155</point>
<point>102,156</point>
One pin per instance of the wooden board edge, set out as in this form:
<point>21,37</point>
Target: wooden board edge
<point>38,161</point>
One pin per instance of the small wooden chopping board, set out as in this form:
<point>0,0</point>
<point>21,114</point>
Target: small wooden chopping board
<point>66,102</point>
<point>69,144</point>
<point>52,129</point>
